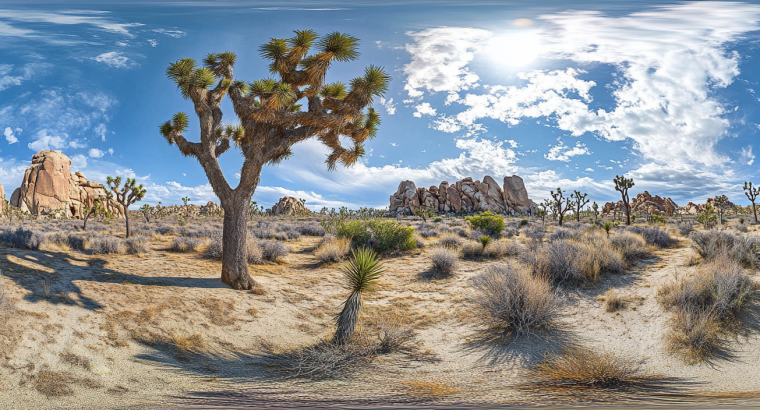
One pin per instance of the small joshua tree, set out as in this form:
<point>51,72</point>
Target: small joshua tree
<point>185,200</point>
<point>147,211</point>
<point>580,202</point>
<point>98,208</point>
<point>752,193</point>
<point>595,207</point>
<point>559,206</point>
<point>622,185</point>
<point>360,273</point>
<point>722,204</point>
<point>274,115</point>
<point>126,195</point>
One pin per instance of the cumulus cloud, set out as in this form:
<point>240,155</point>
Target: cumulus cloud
<point>44,141</point>
<point>562,152</point>
<point>114,59</point>
<point>79,162</point>
<point>439,57</point>
<point>96,153</point>
<point>11,76</point>
<point>747,157</point>
<point>390,107</point>
<point>10,135</point>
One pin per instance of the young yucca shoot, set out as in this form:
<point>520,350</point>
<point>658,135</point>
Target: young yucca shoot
<point>360,273</point>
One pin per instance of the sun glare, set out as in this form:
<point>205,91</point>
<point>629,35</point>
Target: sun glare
<point>515,49</point>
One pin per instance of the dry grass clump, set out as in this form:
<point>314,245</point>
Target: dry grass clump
<point>323,359</point>
<point>500,249</point>
<point>22,237</point>
<point>137,245</point>
<point>713,244</point>
<point>104,245</point>
<point>472,249</point>
<point>653,235</point>
<point>445,261</point>
<point>684,228</point>
<point>272,250</point>
<point>186,244</point>
<point>612,301</point>
<point>188,344</point>
<point>450,241</point>
<point>430,389</point>
<point>513,301</point>
<point>582,367</point>
<point>562,261</point>
<point>631,247</point>
<point>706,306</point>
<point>332,249</point>
<point>59,384</point>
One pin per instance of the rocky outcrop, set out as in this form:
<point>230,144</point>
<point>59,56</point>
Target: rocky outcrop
<point>472,196</point>
<point>643,202</point>
<point>49,187</point>
<point>289,206</point>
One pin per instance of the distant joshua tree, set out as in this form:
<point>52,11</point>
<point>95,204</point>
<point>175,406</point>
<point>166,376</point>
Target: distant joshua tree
<point>97,208</point>
<point>622,185</point>
<point>272,121</point>
<point>722,204</point>
<point>559,206</point>
<point>580,202</point>
<point>147,211</point>
<point>127,195</point>
<point>595,207</point>
<point>752,193</point>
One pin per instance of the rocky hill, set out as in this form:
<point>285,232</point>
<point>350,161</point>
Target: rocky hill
<point>472,196</point>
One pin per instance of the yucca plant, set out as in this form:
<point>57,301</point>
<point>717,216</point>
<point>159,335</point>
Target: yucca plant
<point>485,240</point>
<point>607,226</point>
<point>360,273</point>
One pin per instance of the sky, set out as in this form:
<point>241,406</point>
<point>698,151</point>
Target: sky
<point>564,94</point>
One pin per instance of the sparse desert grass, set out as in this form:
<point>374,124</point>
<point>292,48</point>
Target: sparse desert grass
<point>500,249</point>
<point>653,235</point>
<point>333,249</point>
<point>59,384</point>
<point>713,244</point>
<point>684,228</point>
<point>564,262</point>
<point>613,301</point>
<point>430,389</point>
<point>450,241</point>
<point>185,244</point>
<point>631,247</point>
<point>472,249</point>
<point>445,261</point>
<point>512,301</point>
<point>22,237</point>
<point>103,245</point>
<point>322,359</point>
<point>137,245</point>
<point>188,344</point>
<point>706,305</point>
<point>272,250</point>
<point>583,367</point>
<point>218,311</point>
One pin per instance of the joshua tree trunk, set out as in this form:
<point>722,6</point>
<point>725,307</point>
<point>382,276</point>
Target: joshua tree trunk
<point>234,245</point>
<point>347,318</point>
<point>126,219</point>
<point>754,211</point>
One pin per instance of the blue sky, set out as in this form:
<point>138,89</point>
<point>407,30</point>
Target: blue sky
<point>564,94</point>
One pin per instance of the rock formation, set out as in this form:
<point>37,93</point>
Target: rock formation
<point>289,206</point>
<point>472,196</point>
<point>49,187</point>
<point>643,202</point>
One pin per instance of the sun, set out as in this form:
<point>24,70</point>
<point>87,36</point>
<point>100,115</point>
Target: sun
<point>514,49</point>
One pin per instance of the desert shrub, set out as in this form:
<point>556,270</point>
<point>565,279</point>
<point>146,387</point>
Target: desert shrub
<point>631,247</point>
<point>333,250</point>
<point>597,256</point>
<point>509,232</point>
<point>165,229</point>
<point>512,301</point>
<point>356,231</point>
<point>104,245</point>
<point>741,228</point>
<point>76,242</point>
<point>713,243</point>
<point>445,261</point>
<point>485,240</point>
<point>488,222</point>
<point>312,229</point>
<point>438,219</point>
<point>272,250</point>
<point>202,232</point>
<point>703,303</point>
<point>684,228</point>
<point>391,236</point>
<point>445,229</point>
<point>475,234</point>
<point>523,222</point>
<point>137,245</point>
<point>535,234</point>
<point>612,301</point>
<point>582,367</point>
<point>471,249</point>
<point>557,261</point>
<point>657,219</point>
<point>185,244</point>
<point>254,253</point>
<point>58,238</point>
<point>500,249</point>
<point>561,234</point>
<point>450,241</point>
<point>427,233</point>
<point>419,241</point>
<point>269,233</point>
<point>23,238</point>
<point>461,232</point>
<point>214,248</point>
<point>324,359</point>
<point>652,235</point>
<point>145,231</point>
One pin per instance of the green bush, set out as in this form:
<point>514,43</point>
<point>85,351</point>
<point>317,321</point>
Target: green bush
<point>487,222</point>
<point>657,219</point>
<point>356,231</point>
<point>523,222</point>
<point>439,219</point>
<point>390,236</point>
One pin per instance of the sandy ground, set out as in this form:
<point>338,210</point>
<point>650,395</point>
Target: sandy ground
<point>160,330</point>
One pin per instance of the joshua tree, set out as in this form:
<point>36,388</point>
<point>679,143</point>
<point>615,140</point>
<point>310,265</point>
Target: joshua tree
<point>97,208</point>
<point>752,193</point>
<point>360,273</point>
<point>185,200</point>
<point>722,204</point>
<point>272,121</point>
<point>595,207</point>
<point>707,217</point>
<point>580,202</point>
<point>559,206</point>
<point>622,185</point>
<point>127,195</point>
<point>147,211</point>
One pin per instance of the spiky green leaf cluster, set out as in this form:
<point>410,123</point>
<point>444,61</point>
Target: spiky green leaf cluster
<point>334,90</point>
<point>362,270</point>
<point>341,46</point>
<point>178,123</point>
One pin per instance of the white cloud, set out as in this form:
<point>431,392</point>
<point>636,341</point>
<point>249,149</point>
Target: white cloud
<point>69,18</point>
<point>562,152</point>
<point>390,107</point>
<point>171,33</point>
<point>96,153</point>
<point>439,59</point>
<point>589,169</point>
<point>7,79</point>
<point>747,157</point>
<point>79,163</point>
<point>152,42</point>
<point>44,141</point>
<point>424,109</point>
<point>110,151</point>
<point>113,58</point>
<point>100,130</point>
<point>10,136</point>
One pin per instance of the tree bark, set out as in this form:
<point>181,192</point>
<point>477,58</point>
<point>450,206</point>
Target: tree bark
<point>754,211</point>
<point>126,219</point>
<point>235,247</point>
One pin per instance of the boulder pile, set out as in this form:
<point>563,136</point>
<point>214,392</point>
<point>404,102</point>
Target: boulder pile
<point>472,196</point>
<point>49,187</point>
<point>289,206</point>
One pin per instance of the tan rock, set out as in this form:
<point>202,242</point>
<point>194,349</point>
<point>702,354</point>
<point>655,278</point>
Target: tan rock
<point>288,206</point>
